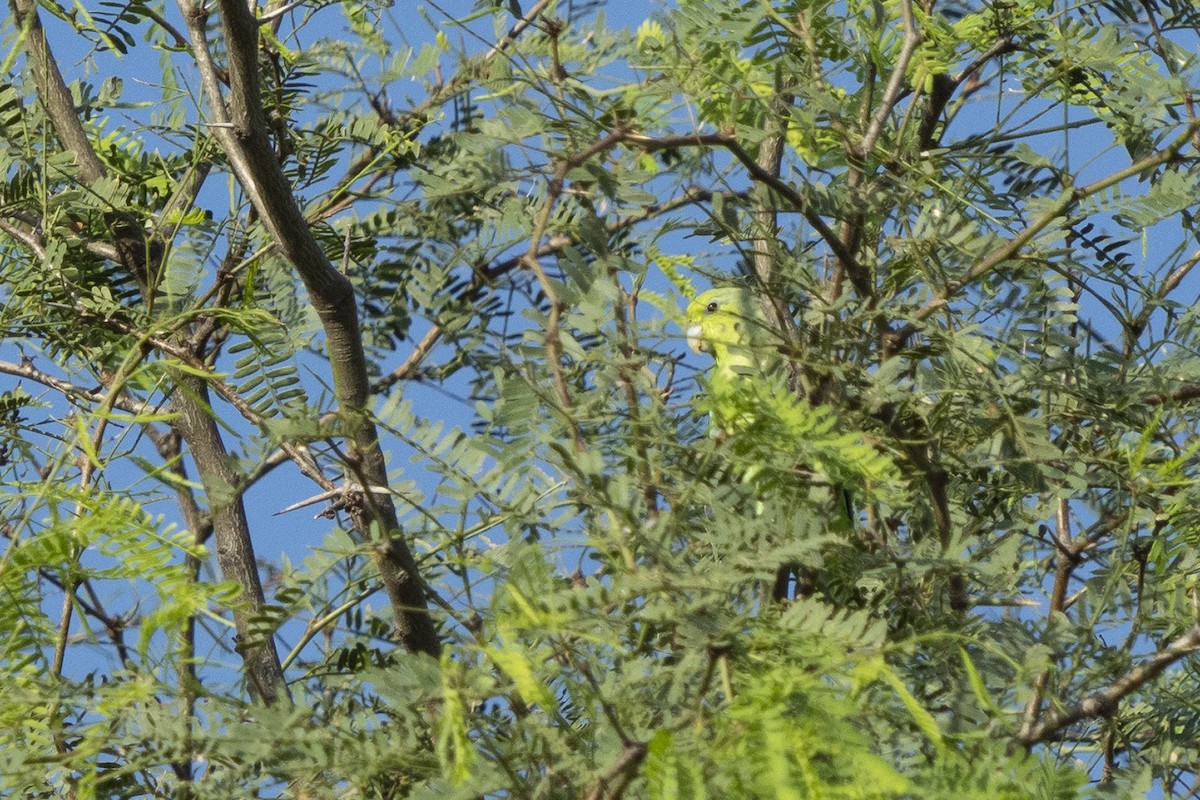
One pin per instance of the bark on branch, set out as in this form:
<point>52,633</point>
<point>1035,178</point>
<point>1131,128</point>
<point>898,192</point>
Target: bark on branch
<point>194,422</point>
<point>1104,702</point>
<point>242,130</point>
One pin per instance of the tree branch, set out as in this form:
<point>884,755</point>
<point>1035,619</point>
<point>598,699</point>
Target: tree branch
<point>908,47</point>
<point>1104,702</point>
<point>621,773</point>
<point>235,552</point>
<point>794,198</point>
<point>241,128</point>
<point>55,95</point>
<point>1066,201</point>
<point>552,245</point>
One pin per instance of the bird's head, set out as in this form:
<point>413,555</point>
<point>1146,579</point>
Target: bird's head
<point>724,318</point>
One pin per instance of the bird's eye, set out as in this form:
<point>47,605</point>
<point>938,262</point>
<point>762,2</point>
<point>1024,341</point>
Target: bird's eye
<point>712,307</point>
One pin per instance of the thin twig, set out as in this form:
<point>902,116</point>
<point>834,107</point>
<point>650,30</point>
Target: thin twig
<point>621,772</point>
<point>553,244</point>
<point>794,198</point>
<point>1003,253</point>
<point>895,84</point>
<point>1065,564</point>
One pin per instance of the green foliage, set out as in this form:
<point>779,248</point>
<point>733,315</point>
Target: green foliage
<point>961,236</point>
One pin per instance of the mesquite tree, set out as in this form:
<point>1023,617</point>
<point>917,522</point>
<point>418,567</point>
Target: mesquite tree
<point>430,270</point>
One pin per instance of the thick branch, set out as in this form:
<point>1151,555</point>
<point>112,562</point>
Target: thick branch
<point>1064,567</point>
<point>229,518</point>
<point>912,38</point>
<point>1184,394</point>
<point>235,551</point>
<point>613,782</point>
<point>242,130</point>
<point>55,95</point>
<point>68,389</point>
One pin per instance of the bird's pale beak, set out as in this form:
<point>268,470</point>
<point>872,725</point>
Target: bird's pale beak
<point>695,340</point>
